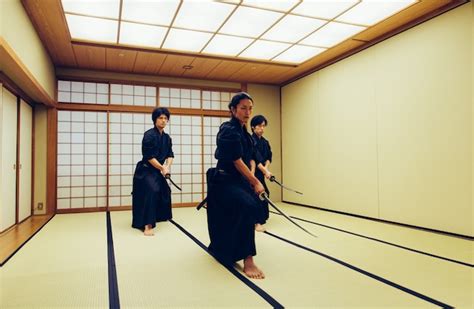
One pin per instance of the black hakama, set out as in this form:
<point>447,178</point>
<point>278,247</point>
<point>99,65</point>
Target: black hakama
<point>231,202</point>
<point>263,153</point>
<point>151,201</point>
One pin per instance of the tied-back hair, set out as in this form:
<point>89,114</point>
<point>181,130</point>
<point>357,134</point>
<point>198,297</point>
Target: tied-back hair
<point>236,100</point>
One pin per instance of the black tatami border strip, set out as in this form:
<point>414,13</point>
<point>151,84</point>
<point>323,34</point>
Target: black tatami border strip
<point>274,303</point>
<point>426,229</point>
<point>114,300</point>
<point>364,272</point>
<point>29,238</point>
<point>382,241</point>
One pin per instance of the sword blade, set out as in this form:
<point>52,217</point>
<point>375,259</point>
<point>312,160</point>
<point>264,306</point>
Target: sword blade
<point>272,179</point>
<point>265,196</point>
<point>168,176</point>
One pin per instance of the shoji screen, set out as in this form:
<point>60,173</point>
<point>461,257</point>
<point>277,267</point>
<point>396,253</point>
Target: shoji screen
<point>187,169</point>
<point>125,140</point>
<point>82,159</point>
<point>210,129</point>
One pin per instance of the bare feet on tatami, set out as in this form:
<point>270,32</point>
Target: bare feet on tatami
<point>259,228</point>
<point>148,230</point>
<point>251,270</point>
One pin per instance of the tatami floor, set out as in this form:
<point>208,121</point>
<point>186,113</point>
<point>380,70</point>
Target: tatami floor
<point>96,260</point>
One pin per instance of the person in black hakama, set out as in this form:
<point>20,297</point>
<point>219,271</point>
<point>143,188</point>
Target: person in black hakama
<point>151,193</point>
<point>263,158</point>
<point>232,199</point>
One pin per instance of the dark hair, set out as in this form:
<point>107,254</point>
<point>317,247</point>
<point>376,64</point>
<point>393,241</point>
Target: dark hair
<point>256,120</point>
<point>157,112</point>
<point>237,97</point>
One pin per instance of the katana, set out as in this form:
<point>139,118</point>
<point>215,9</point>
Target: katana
<point>204,202</point>
<point>168,176</point>
<point>264,197</point>
<point>272,179</point>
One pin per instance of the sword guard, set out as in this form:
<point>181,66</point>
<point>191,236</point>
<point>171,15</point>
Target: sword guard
<point>263,196</point>
<point>272,178</point>
<point>168,176</point>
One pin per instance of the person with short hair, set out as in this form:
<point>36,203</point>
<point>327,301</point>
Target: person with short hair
<point>151,201</point>
<point>263,155</point>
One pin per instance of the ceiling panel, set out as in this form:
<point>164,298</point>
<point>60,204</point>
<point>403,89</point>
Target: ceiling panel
<point>120,60</point>
<point>49,21</point>
<point>148,62</point>
<point>90,57</point>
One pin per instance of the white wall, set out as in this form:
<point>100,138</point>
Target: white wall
<point>387,133</point>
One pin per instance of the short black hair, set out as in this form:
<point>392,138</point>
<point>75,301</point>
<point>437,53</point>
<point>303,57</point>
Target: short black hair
<point>237,97</point>
<point>157,112</point>
<point>257,120</point>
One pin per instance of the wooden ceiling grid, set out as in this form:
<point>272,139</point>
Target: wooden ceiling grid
<point>49,21</point>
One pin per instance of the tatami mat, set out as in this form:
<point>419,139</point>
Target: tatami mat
<point>170,270</point>
<point>300,278</point>
<point>63,266</point>
<point>435,243</point>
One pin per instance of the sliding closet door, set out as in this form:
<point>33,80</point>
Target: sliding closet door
<point>26,129</point>
<point>8,118</point>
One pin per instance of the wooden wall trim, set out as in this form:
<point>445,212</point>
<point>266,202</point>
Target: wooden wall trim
<point>51,177</point>
<point>17,70</point>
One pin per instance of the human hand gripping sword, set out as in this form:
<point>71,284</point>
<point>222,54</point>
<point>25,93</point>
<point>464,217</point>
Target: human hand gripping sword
<point>168,176</point>
<point>273,179</point>
<point>264,197</point>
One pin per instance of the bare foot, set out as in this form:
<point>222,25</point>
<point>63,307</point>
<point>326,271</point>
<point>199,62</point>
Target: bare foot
<point>148,230</point>
<point>259,227</point>
<point>251,270</point>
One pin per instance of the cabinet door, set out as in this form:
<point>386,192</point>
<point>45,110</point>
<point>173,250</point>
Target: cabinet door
<point>8,114</point>
<point>26,129</point>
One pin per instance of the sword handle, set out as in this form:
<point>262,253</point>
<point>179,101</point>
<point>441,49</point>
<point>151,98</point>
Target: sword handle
<point>263,196</point>
<point>168,176</point>
<point>272,178</point>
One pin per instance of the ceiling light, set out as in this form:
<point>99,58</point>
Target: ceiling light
<point>331,34</point>
<point>280,5</point>
<point>92,29</point>
<point>109,8</point>
<point>370,12</point>
<point>293,28</point>
<point>142,35</point>
<point>298,54</point>
<point>186,40</point>
<point>264,50</point>
<point>249,22</point>
<point>227,45</point>
<point>151,12</point>
<point>202,15</point>
<point>327,9</point>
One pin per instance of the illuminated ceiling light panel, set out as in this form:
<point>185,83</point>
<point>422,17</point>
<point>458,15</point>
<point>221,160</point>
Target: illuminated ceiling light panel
<point>282,6</point>
<point>150,12</point>
<point>264,50</point>
<point>227,45</point>
<point>141,35</point>
<point>327,9</point>
<point>293,28</point>
<point>298,54</point>
<point>332,34</point>
<point>249,22</point>
<point>202,15</point>
<point>186,40</point>
<point>104,8</point>
<point>92,29</point>
<point>370,12</point>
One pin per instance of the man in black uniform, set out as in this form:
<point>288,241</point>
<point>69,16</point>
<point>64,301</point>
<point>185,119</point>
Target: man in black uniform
<point>151,193</point>
<point>263,158</point>
<point>233,191</point>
